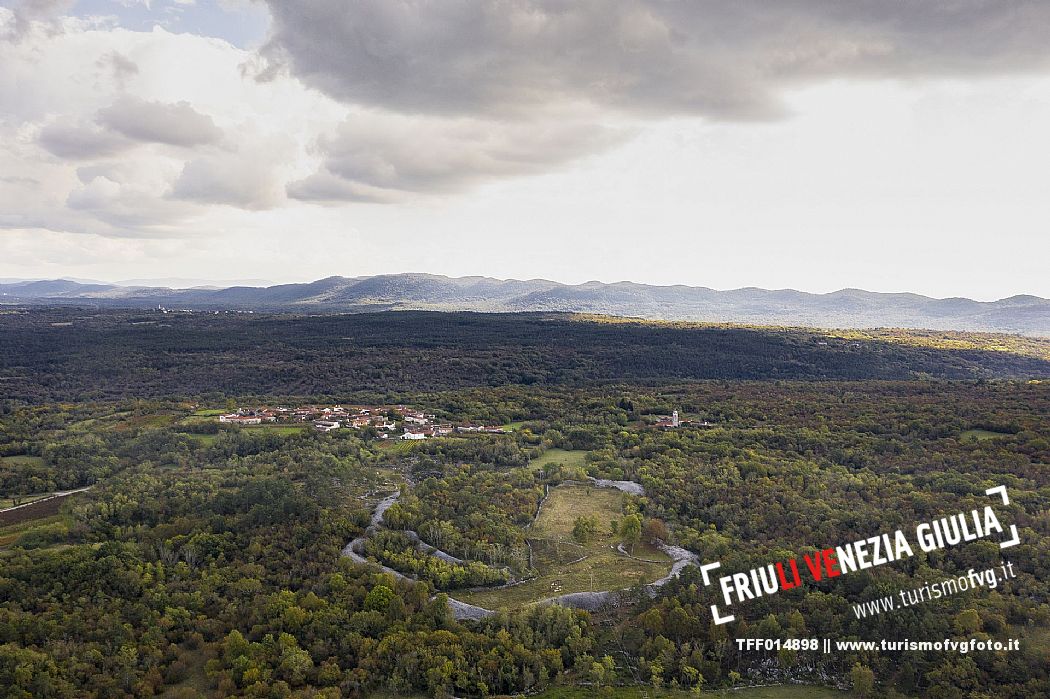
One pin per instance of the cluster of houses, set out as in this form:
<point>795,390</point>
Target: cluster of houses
<point>385,420</point>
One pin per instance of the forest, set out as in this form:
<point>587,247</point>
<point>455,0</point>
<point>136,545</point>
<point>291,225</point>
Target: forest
<point>208,560</point>
<point>62,354</point>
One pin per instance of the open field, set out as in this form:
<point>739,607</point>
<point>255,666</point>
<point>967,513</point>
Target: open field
<point>567,502</point>
<point>21,461</point>
<point>6,502</point>
<point>564,565</point>
<point>559,456</point>
<point>1021,345</point>
<point>396,446</point>
<point>279,429</point>
<point>34,511</point>
<point>196,419</point>
<point>980,435</point>
<point>12,532</point>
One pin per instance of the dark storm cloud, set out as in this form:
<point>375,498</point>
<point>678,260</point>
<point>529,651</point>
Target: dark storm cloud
<point>176,124</point>
<point>723,60</point>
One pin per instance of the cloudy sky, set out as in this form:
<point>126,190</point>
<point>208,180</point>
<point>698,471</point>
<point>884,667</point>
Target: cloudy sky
<point>890,145</point>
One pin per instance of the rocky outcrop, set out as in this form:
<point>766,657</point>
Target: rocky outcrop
<point>629,487</point>
<point>462,610</point>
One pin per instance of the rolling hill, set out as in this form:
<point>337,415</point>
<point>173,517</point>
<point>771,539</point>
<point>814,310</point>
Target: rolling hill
<point>847,308</point>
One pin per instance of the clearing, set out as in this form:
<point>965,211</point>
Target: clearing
<point>981,435</point>
<point>564,565</point>
<point>567,458</point>
<point>285,429</point>
<point>21,461</point>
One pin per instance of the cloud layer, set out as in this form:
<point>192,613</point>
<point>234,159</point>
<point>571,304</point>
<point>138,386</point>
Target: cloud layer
<point>511,70</point>
<point>724,60</point>
<point>147,133</point>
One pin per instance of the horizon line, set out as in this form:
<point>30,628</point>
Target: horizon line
<point>224,284</point>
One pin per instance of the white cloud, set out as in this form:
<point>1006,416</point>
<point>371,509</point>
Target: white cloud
<point>185,108</point>
<point>141,133</point>
<point>248,180</point>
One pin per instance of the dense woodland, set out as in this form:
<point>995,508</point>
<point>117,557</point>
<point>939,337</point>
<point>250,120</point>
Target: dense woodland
<point>79,354</point>
<point>206,560</point>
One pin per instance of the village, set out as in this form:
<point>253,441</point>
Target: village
<point>391,422</point>
<point>387,422</point>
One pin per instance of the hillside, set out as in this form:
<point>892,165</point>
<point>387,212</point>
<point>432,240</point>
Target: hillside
<point>847,308</point>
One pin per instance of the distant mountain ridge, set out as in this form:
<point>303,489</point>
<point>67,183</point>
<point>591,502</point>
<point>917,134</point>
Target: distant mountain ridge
<point>847,308</point>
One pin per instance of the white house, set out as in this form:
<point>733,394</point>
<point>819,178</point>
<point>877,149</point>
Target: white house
<point>238,419</point>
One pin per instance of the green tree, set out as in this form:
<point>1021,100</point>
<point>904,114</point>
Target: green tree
<point>863,680</point>
<point>631,530</point>
<point>378,598</point>
<point>967,622</point>
<point>585,528</point>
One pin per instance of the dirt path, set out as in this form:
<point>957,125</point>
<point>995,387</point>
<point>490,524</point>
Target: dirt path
<point>53,496</point>
<point>579,600</point>
<point>356,547</point>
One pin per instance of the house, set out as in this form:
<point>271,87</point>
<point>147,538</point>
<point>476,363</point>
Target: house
<point>417,433</point>
<point>326,425</point>
<point>238,419</point>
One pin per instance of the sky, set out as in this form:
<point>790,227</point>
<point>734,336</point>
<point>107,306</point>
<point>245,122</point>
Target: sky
<point>810,144</point>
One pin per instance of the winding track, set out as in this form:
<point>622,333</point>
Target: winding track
<point>579,600</point>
